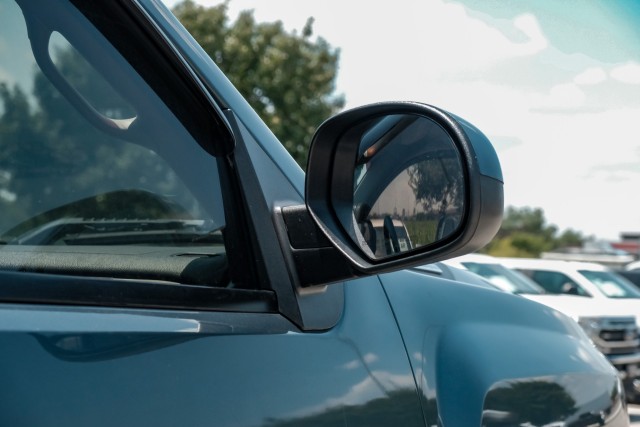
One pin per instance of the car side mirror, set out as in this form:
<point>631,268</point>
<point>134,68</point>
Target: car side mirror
<point>392,185</point>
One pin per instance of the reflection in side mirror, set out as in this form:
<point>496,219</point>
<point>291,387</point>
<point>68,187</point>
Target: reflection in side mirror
<point>409,185</point>
<point>398,184</point>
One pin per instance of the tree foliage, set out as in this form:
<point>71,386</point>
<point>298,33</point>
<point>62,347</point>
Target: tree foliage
<point>526,233</point>
<point>438,185</point>
<point>288,78</point>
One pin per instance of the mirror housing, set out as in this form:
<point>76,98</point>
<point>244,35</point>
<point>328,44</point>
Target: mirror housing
<point>329,188</point>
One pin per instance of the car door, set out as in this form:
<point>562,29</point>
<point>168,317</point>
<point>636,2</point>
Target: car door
<point>142,280</point>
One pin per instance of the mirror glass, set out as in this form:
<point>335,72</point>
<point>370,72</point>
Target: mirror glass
<point>409,187</point>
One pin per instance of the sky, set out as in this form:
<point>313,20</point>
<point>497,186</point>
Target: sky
<point>554,85</point>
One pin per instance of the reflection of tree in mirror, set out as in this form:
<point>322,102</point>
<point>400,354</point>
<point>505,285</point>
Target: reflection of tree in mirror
<point>50,155</point>
<point>427,191</point>
<point>439,185</point>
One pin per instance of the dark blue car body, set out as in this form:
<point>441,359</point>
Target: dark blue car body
<point>86,343</point>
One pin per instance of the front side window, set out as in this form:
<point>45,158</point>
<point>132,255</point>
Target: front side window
<point>556,283</point>
<point>98,174</point>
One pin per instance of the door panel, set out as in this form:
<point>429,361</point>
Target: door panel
<point>105,367</point>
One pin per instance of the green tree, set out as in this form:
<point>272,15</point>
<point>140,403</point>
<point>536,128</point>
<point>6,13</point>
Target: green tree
<point>438,185</point>
<point>528,220</point>
<point>570,238</point>
<point>288,78</point>
<point>526,233</point>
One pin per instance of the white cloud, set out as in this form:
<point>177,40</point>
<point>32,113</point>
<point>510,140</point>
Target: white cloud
<point>553,169</point>
<point>564,96</point>
<point>370,358</point>
<point>628,73</point>
<point>528,24</point>
<point>410,47</point>
<point>591,76</point>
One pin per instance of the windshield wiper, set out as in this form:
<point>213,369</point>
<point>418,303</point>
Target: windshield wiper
<point>80,231</point>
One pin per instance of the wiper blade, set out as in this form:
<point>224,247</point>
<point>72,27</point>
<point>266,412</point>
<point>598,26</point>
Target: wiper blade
<point>80,231</point>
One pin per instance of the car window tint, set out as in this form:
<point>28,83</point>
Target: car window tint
<point>504,278</point>
<point>557,283</point>
<point>93,162</point>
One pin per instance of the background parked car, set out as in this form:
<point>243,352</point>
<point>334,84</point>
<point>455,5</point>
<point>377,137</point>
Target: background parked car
<point>631,272</point>
<point>610,324</point>
<point>576,278</point>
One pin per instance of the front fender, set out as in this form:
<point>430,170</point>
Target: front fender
<point>483,357</point>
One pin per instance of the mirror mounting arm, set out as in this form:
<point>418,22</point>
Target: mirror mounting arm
<point>315,260</point>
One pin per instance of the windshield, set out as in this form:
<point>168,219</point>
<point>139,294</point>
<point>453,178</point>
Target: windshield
<point>611,284</point>
<point>504,278</point>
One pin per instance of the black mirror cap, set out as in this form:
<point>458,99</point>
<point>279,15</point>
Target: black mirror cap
<point>485,197</point>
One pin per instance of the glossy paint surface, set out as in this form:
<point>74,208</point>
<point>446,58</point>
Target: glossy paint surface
<point>411,351</point>
<point>468,344</point>
<point>106,367</point>
<point>572,399</point>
